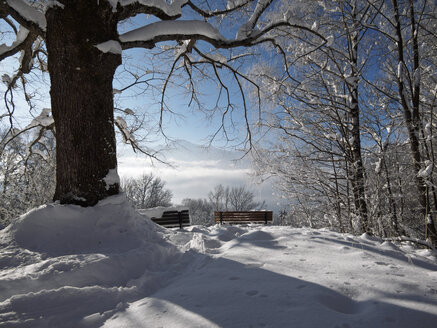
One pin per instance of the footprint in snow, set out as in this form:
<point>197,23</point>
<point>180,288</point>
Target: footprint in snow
<point>251,292</point>
<point>213,243</point>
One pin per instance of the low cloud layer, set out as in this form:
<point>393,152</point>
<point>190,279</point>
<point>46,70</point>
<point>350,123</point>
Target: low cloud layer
<point>196,171</point>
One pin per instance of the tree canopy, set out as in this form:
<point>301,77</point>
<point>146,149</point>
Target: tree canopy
<point>80,44</point>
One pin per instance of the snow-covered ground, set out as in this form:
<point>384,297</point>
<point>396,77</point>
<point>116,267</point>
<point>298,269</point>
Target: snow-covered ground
<point>67,266</point>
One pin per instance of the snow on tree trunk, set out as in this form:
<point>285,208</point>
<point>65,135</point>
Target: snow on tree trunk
<point>358,180</point>
<point>412,119</point>
<point>82,100</point>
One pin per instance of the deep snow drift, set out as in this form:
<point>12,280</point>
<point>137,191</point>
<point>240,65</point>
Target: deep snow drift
<point>67,266</point>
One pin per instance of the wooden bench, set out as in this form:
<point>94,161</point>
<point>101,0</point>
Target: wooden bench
<point>243,217</point>
<point>172,219</point>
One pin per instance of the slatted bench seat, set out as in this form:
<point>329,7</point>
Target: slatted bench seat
<point>237,217</point>
<point>170,217</point>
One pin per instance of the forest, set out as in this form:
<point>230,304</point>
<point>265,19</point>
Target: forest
<point>337,99</point>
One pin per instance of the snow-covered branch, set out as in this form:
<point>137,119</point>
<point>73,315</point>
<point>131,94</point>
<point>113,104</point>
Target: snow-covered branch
<point>22,41</point>
<point>247,29</point>
<point>25,14</point>
<point>147,36</point>
<point>44,121</point>
<point>129,138</point>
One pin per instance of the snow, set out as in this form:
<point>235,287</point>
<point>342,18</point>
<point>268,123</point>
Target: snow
<point>162,28</point>
<point>44,119</point>
<point>53,3</point>
<point>235,3</point>
<point>111,46</point>
<point>330,40</point>
<point>157,212</point>
<point>29,13</point>
<point>111,178</point>
<point>218,58</point>
<point>21,37</point>
<point>352,81</point>
<point>248,28</point>
<point>426,171</point>
<point>108,266</point>
<point>122,125</point>
<point>400,70</point>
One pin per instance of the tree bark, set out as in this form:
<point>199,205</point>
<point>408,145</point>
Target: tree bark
<point>358,176</point>
<point>430,228</point>
<point>412,118</point>
<point>82,100</point>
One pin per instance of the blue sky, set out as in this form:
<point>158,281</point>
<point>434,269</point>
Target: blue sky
<point>187,121</point>
<point>196,170</point>
<point>191,177</point>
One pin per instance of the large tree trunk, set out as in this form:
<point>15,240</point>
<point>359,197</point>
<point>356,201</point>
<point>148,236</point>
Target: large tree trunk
<point>82,100</point>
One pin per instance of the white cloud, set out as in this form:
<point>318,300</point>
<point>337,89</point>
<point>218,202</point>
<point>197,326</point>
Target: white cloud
<point>189,179</point>
<point>196,171</point>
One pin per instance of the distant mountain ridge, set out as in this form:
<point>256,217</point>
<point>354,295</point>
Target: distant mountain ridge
<point>195,170</point>
<point>188,151</point>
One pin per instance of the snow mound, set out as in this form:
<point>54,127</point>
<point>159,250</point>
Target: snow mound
<point>157,212</point>
<point>257,235</point>
<point>112,226</point>
<point>108,266</point>
<point>70,266</point>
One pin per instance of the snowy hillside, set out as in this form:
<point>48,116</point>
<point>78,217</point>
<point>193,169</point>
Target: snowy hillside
<point>67,266</point>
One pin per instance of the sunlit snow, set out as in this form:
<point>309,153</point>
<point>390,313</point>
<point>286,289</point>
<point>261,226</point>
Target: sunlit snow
<point>108,266</point>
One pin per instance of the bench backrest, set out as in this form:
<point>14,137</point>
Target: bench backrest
<point>171,219</point>
<point>243,216</point>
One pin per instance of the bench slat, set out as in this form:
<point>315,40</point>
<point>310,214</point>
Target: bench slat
<point>243,216</point>
<point>168,221</point>
<point>171,219</point>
